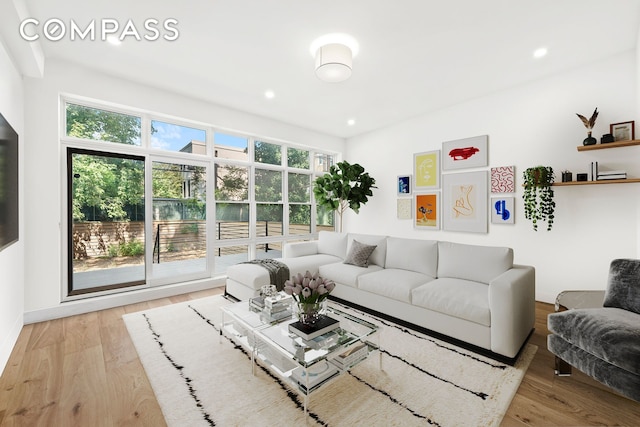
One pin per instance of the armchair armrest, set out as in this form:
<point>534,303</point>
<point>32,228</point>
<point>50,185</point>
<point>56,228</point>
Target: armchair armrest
<point>512,304</point>
<point>298,249</point>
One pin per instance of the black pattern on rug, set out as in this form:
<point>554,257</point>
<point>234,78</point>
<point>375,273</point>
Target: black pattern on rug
<point>437,343</point>
<point>156,337</point>
<point>292,395</point>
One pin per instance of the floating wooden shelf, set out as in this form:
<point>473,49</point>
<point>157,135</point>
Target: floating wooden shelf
<point>606,181</point>
<point>609,145</point>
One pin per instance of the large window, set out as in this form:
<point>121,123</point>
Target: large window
<point>140,212</point>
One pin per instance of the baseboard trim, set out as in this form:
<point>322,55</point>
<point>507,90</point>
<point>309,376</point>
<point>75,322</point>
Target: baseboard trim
<point>9,343</point>
<point>479,350</point>
<point>72,308</point>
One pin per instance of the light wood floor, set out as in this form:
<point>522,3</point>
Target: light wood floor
<point>84,371</point>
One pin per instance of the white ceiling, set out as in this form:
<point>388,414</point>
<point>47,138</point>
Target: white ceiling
<point>415,56</point>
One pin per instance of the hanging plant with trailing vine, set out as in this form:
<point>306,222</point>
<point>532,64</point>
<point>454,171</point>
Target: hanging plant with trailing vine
<point>538,196</point>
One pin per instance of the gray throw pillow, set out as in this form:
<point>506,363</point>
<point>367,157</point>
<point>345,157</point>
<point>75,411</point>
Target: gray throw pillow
<point>359,254</point>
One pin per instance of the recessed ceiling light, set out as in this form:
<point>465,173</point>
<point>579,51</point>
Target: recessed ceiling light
<point>540,52</point>
<point>269,94</point>
<point>114,40</point>
<point>351,122</point>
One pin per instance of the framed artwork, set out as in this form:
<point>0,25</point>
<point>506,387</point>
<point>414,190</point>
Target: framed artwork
<point>427,211</point>
<point>623,131</point>
<point>426,170</point>
<point>503,179</point>
<point>404,185</point>
<point>502,210</point>
<point>465,199</point>
<point>465,153</point>
<point>404,208</point>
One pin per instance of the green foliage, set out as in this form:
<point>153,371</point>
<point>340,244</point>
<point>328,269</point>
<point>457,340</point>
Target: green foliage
<point>92,123</point>
<point>538,195</point>
<point>131,248</point>
<point>345,186</point>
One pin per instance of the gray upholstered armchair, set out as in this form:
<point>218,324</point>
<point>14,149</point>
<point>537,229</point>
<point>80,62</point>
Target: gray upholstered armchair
<point>604,342</point>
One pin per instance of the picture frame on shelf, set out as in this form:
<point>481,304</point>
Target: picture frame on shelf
<point>502,210</point>
<point>465,153</point>
<point>404,185</point>
<point>426,209</point>
<point>623,131</point>
<point>465,202</point>
<point>426,170</point>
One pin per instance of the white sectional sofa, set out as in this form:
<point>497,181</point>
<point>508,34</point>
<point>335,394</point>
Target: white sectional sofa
<point>473,294</point>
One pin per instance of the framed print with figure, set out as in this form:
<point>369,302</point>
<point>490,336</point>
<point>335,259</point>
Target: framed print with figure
<point>426,209</point>
<point>464,206</point>
<point>426,170</point>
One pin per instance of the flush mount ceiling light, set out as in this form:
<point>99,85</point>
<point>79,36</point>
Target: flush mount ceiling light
<point>540,52</point>
<point>333,54</point>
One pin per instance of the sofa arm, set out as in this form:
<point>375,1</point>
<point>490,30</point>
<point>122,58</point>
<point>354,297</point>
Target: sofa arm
<point>512,304</point>
<point>298,249</point>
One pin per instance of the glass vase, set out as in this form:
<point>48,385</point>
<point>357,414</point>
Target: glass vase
<point>309,312</point>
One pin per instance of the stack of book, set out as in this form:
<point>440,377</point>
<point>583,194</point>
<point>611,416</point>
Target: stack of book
<point>351,356</point>
<point>595,174</point>
<point>604,175</point>
<point>308,332</point>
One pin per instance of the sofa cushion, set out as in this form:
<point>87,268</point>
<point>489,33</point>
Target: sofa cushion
<point>359,254</point>
<point>456,297</point>
<point>623,289</point>
<point>345,274</point>
<point>298,249</point>
<point>470,262</point>
<point>611,334</point>
<point>413,255</point>
<point>379,254</point>
<point>332,243</point>
<point>393,283</point>
<point>309,263</point>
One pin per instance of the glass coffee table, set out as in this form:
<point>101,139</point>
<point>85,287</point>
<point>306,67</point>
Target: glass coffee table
<point>306,365</point>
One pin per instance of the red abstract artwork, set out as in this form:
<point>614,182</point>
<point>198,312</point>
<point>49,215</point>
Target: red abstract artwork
<point>463,153</point>
<point>503,179</point>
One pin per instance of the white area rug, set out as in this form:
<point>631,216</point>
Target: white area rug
<point>201,380</point>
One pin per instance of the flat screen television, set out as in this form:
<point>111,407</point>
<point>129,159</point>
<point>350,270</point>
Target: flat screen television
<point>8,184</point>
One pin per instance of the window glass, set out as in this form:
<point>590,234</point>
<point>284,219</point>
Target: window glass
<point>268,185</point>
<point>269,220</point>
<point>324,219</point>
<point>268,153</point>
<point>299,187</point>
<point>101,125</point>
<point>232,221</point>
<point>232,182</point>
<point>322,162</point>
<point>299,219</point>
<point>170,137</point>
<point>229,255</point>
<point>230,146</point>
<point>297,158</point>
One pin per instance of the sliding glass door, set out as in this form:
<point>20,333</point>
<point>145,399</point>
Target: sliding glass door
<point>106,220</point>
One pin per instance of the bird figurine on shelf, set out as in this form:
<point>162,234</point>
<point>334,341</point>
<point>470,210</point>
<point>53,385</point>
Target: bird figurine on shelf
<point>589,123</point>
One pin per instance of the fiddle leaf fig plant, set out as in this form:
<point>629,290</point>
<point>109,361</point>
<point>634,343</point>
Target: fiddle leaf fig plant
<point>538,195</point>
<point>346,186</point>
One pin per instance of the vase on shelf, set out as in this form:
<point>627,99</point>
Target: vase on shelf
<point>589,140</point>
<point>309,312</point>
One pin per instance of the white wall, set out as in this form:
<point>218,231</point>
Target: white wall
<point>527,126</point>
<point>12,257</point>
<point>42,180</point>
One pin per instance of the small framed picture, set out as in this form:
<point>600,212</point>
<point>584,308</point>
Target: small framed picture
<point>502,210</point>
<point>426,208</point>
<point>623,131</point>
<point>404,208</point>
<point>404,185</point>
